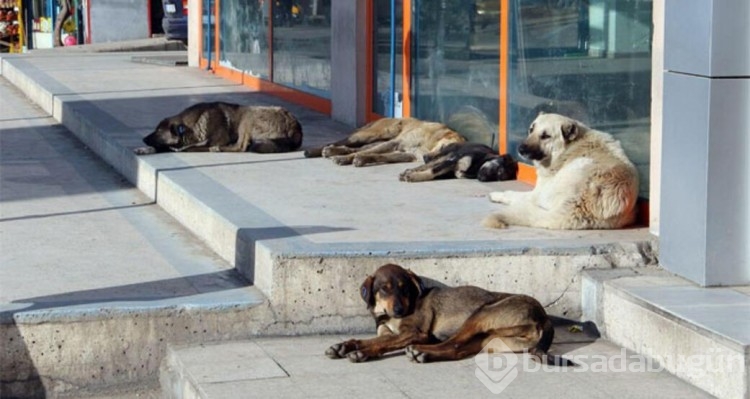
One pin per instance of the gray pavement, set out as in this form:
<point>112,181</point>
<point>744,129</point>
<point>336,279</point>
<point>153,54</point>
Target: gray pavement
<point>86,258</point>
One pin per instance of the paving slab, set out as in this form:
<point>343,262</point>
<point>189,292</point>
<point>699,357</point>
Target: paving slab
<point>300,370</point>
<point>95,278</point>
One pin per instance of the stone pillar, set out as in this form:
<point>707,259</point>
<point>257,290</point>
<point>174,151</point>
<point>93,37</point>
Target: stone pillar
<point>348,57</point>
<point>704,229</point>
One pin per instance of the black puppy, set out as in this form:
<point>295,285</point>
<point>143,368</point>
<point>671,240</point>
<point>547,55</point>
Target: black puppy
<point>464,160</point>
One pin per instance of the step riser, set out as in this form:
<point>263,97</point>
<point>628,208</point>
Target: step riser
<point>302,290</point>
<point>67,356</point>
<point>725,370</point>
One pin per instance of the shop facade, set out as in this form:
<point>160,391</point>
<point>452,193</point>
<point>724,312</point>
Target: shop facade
<point>88,22</point>
<point>488,67</point>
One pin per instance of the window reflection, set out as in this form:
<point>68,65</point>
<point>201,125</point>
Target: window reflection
<point>209,24</point>
<point>455,65</point>
<point>244,36</point>
<point>302,45</point>
<point>588,59</point>
<point>383,98</point>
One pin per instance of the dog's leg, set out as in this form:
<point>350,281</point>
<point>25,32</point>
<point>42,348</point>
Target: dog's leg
<point>361,350</point>
<point>470,340</point>
<point>375,149</point>
<point>190,147</point>
<point>509,197</point>
<point>362,159</point>
<point>517,320</point>
<point>531,215</point>
<point>427,172</point>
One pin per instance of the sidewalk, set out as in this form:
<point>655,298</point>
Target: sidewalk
<point>96,278</point>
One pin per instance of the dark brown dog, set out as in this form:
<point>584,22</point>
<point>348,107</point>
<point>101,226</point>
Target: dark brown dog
<point>446,323</point>
<point>464,160</point>
<point>225,127</point>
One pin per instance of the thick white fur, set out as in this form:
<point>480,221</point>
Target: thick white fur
<point>584,180</point>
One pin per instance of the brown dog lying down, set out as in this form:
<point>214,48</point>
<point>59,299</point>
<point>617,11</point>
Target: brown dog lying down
<point>225,127</point>
<point>388,140</point>
<point>464,160</point>
<point>446,323</point>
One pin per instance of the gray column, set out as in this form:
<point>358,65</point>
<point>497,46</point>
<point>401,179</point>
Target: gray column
<point>705,183</point>
<point>348,57</point>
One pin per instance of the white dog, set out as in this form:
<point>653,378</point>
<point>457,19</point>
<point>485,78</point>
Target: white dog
<point>584,180</point>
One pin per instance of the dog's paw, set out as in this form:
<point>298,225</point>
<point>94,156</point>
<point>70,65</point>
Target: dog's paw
<point>144,150</point>
<point>499,197</point>
<point>405,176</point>
<point>214,148</point>
<point>415,355</point>
<point>341,160</point>
<point>336,351</point>
<point>357,357</point>
<point>359,161</point>
<point>329,151</point>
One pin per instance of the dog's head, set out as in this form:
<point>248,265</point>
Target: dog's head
<point>169,134</point>
<point>498,168</point>
<point>392,291</point>
<point>548,137</point>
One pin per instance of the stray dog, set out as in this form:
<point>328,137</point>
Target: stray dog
<point>464,160</point>
<point>446,323</point>
<point>388,140</point>
<point>225,127</point>
<point>584,180</point>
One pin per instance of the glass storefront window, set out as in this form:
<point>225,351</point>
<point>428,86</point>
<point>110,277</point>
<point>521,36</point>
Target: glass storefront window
<point>244,36</point>
<point>208,25</point>
<point>455,65</point>
<point>386,100</point>
<point>587,59</point>
<point>302,45</point>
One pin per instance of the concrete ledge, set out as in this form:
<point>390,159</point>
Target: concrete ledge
<point>63,349</point>
<point>701,335</point>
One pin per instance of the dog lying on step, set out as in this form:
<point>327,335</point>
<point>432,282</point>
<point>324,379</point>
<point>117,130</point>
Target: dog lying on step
<point>464,160</point>
<point>225,127</point>
<point>584,180</point>
<point>388,140</point>
<point>446,323</point>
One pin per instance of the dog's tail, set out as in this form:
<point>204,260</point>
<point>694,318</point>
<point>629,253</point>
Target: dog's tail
<point>540,351</point>
<point>494,221</point>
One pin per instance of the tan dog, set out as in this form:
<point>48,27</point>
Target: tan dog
<point>388,140</point>
<point>584,180</point>
<point>446,323</point>
<point>225,127</point>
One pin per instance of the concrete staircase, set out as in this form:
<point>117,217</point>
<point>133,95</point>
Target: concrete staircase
<point>303,232</point>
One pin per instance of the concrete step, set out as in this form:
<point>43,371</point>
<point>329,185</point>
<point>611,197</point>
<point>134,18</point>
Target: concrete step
<point>295,367</point>
<point>701,335</point>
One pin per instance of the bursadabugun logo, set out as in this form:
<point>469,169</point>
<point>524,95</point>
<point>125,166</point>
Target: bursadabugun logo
<point>496,366</point>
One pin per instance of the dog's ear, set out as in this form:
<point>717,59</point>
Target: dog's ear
<point>366,291</point>
<point>569,131</point>
<point>417,283</point>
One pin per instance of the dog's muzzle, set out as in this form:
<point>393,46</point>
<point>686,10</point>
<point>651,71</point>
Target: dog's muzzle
<point>532,153</point>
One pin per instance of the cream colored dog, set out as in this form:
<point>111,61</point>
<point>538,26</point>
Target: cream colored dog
<point>584,180</point>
